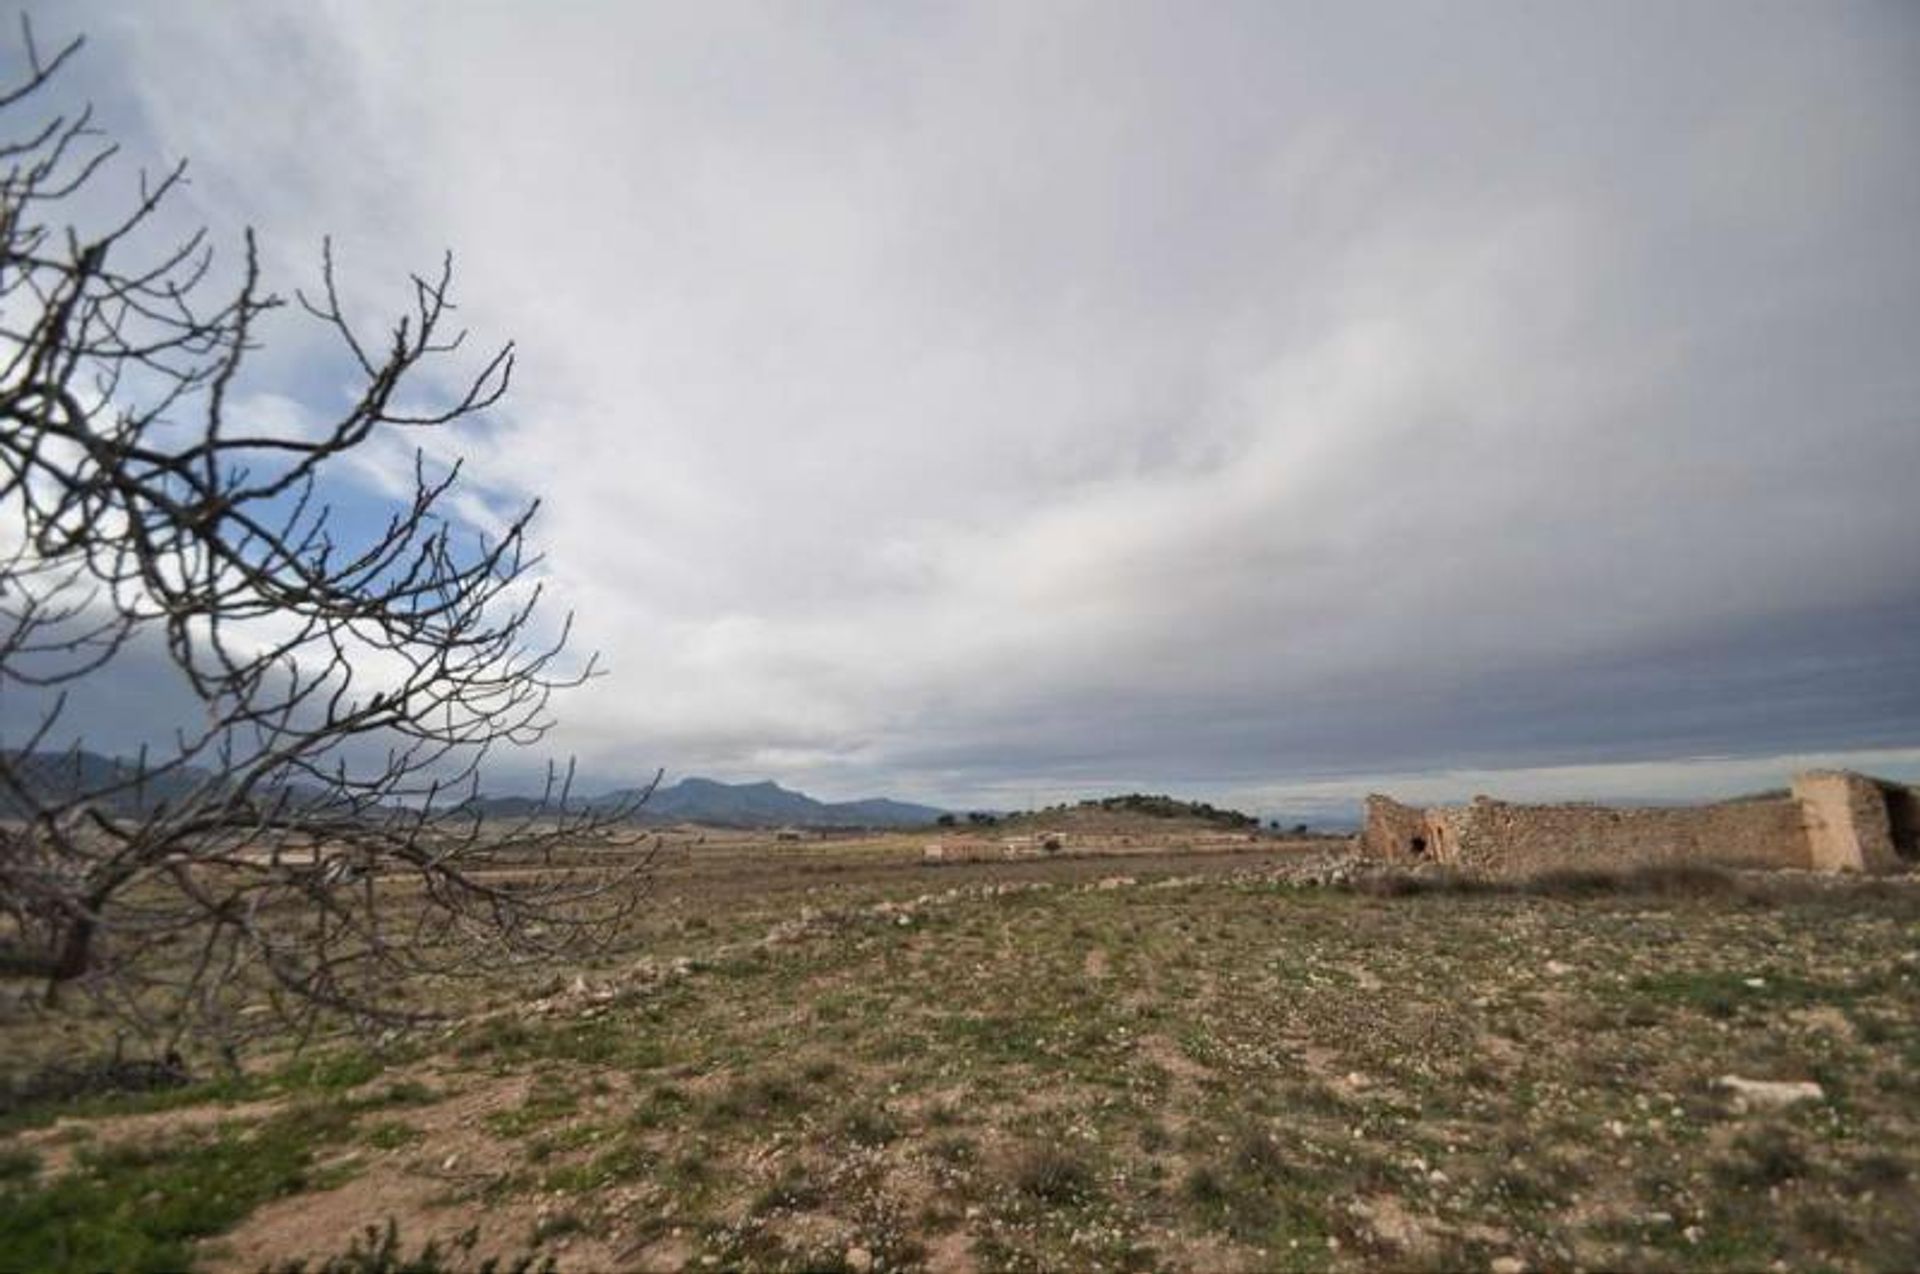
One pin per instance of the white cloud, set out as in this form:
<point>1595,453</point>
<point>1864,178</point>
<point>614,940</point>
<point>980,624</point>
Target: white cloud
<point>935,400</point>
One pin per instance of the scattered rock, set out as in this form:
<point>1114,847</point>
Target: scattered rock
<point>1770,1093</point>
<point>1557,969</point>
<point>1506,1265</point>
<point>859,1260</point>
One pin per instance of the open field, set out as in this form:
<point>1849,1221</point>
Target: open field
<point>837,1055</point>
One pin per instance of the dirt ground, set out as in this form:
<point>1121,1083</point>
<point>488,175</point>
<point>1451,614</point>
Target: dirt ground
<point>734,867</point>
<point>837,1054</point>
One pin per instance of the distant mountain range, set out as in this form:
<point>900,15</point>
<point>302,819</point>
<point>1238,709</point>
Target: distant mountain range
<point>764,804</point>
<point>56,775</point>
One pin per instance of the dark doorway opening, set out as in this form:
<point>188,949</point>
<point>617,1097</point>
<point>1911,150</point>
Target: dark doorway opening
<point>1419,846</point>
<point>1903,819</point>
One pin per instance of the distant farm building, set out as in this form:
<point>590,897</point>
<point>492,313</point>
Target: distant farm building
<point>1831,820</point>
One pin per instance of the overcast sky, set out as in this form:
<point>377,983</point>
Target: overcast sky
<point>985,403</point>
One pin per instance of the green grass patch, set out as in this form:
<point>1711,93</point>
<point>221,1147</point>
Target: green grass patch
<point>1255,1192</point>
<point>18,1163</point>
<point>390,1135</point>
<point>548,1099</point>
<point>140,1207</point>
<point>333,1072</point>
<point>756,1099</point>
<point>104,1105</point>
<point>1724,993</point>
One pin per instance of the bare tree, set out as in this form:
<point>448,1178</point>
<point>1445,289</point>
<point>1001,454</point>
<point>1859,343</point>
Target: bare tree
<point>312,837</point>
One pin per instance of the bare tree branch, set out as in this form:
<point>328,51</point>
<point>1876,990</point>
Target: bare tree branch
<point>313,838</point>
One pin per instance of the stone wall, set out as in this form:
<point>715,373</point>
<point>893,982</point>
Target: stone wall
<point>1496,836</point>
<point>1849,820</point>
<point>1833,821</point>
<point>1393,830</point>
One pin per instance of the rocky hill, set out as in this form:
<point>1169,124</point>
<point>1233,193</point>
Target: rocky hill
<point>1134,812</point>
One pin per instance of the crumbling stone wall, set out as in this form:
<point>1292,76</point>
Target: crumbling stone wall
<point>1402,833</point>
<point>1497,836</point>
<point>1849,825</point>
<point>1832,822</point>
<point>1393,830</point>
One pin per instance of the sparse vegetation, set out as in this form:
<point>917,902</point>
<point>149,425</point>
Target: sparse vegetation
<point>1168,807</point>
<point>140,1206</point>
<point>1231,392</point>
<point>1162,808</point>
<point>378,1250</point>
<point>1280,1064</point>
<point>1054,1175</point>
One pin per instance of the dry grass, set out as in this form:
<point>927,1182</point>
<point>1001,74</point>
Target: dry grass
<point>1224,1072</point>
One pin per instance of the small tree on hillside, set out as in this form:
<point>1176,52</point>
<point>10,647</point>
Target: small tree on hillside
<point>310,838</point>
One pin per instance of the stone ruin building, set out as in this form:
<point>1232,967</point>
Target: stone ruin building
<point>1831,820</point>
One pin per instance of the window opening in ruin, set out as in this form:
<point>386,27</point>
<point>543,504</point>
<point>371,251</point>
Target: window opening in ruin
<point>1418,846</point>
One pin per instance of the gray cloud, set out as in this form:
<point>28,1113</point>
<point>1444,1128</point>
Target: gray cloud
<point>955,400</point>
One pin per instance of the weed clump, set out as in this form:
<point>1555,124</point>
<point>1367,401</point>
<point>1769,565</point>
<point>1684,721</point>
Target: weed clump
<point>1053,1174</point>
<point>1402,884</point>
<point>1673,880</point>
<point>377,1250</point>
<point>757,1097</point>
<point>869,1126</point>
<point>1258,1154</point>
<point>793,1191</point>
<point>17,1163</point>
<point>1205,1185</point>
<point>1763,1158</point>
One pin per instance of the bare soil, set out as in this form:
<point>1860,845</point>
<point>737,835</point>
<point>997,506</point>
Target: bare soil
<point>840,1055</point>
